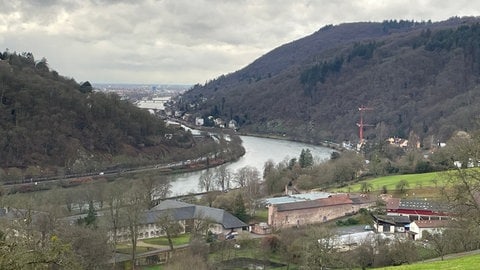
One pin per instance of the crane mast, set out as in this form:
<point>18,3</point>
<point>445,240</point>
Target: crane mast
<point>361,125</point>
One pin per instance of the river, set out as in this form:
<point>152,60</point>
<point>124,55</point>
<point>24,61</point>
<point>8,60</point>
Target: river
<point>257,152</point>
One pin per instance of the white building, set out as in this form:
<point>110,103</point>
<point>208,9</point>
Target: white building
<point>199,121</point>
<point>156,103</point>
<point>418,227</point>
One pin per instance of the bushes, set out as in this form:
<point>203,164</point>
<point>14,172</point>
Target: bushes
<point>348,222</point>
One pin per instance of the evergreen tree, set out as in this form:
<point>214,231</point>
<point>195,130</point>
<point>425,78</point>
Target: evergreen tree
<point>239,209</point>
<point>306,158</point>
<point>91,217</point>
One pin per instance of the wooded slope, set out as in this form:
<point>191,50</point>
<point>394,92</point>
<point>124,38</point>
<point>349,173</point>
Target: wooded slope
<point>419,78</point>
<point>50,120</point>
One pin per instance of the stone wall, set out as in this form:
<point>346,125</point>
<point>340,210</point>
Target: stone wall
<point>298,217</point>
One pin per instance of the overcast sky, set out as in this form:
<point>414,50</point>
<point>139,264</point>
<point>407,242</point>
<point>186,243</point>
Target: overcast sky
<point>183,41</point>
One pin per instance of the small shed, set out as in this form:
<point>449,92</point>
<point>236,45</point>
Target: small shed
<point>391,224</point>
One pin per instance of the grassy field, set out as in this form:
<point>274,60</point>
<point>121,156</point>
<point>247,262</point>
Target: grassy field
<point>163,241</point>
<point>415,181</point>
<point>464,263</point>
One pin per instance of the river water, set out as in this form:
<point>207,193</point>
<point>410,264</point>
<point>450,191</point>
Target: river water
<point>257,152</point>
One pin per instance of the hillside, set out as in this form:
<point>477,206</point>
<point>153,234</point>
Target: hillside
<point>417,77</point>
<point>49,123</point>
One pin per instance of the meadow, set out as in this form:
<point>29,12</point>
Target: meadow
<point>466,262</point>
<point>414,181</point>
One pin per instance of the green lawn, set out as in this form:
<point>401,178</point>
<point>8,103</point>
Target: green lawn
<point>261,215</point>
<point>390,182</point>
<point>163,241</point>
<point>463,263</point>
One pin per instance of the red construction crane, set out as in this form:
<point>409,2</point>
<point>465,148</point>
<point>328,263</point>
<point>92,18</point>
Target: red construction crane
<point>361,125</point>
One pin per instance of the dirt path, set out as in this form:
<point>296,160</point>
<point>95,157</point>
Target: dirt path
<point>140,243</point>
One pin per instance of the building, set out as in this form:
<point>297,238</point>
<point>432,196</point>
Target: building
<point>418,227</point>
<point>417,209</point>
<point>199,121</point>
<point>232,124</point>
<point>155,104</point>
<point>220,221</point>
<point>402,214</point>
<point>391,224</point>
<point>302,209</point>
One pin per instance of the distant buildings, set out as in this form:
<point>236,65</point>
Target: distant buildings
<point>403,143</point>
<point>155,104</point>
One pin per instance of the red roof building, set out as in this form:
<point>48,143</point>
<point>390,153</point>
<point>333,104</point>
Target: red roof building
<point>417,209</point>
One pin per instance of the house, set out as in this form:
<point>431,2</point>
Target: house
<point>219,122</point>
<point>403,143</point>
<point>418,227</point>
<point>220,221</point>
<point>308,208</point>
<point>199,121</point>
<point>232,124</point>
<point>391,224</point>
<point>417,209</point>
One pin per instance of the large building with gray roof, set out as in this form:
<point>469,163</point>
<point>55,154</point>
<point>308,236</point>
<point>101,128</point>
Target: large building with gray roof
<point>219,221</point>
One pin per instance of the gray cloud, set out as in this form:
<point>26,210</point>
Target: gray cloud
<point>181,41</point>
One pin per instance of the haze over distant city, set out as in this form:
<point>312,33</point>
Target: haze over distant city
<point>179,41</point>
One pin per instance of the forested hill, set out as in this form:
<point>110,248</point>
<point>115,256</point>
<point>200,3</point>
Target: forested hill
<point>419,78</point>
<point>47,120</point>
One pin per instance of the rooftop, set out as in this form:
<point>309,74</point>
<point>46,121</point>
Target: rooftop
<point>331,200</point>
<point>182,211</point>
<point>298,198</point>
<point>416,204</point>
<point>431,223</point>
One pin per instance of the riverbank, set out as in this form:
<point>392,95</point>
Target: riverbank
<point>328,144</point>
<point>230,152</point>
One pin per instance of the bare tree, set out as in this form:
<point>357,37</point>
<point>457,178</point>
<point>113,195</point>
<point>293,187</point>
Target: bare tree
<point>115,201</point>
<point>133,212</point>
<point>169,226</point>
<point>187,262</point>
<point>438,241</point>
<point>155,189</point>
<point>245,174</point>
<point>403,251</point>
<point>29,239</point>
<point>319,251</point>
<point>462,190</point>
<point>252,189</point>
<point>90,244</point>
<point>200,227</point>
<point>206,181</point>
<point>364,254</point>
<point>223,177</point>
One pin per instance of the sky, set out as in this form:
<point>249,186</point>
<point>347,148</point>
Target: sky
<point>184,41</point>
